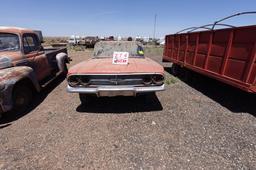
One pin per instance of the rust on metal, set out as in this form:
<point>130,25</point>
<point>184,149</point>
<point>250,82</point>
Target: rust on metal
<point>20,61</point>
<point>228,55</point>
<point>225,54</point>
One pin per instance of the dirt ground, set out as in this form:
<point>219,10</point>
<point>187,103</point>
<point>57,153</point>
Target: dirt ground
<point>201,124</point>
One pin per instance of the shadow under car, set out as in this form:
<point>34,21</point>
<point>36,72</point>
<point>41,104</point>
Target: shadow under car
<point>120,105</point>
<point>11,116</point>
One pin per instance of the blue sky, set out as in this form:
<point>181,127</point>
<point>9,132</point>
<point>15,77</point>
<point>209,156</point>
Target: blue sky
<point>120,17</point>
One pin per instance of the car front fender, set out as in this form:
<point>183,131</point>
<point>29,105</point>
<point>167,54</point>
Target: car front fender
<point>8,78</point>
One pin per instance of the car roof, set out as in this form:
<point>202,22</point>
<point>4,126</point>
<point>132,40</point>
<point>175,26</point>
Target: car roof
<point>15,30</point>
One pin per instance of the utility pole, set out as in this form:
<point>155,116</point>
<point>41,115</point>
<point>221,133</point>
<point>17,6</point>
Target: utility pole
<point>154,36</point>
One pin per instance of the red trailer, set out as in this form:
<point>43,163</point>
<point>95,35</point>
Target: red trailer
<point>228,55</point>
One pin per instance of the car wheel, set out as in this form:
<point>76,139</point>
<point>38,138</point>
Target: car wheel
<point>22,97</point>
<point>86,98</point>
<point>146,96</point>
<point>82,98</point>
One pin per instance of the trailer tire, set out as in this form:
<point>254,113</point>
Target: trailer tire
<point>175,69</point>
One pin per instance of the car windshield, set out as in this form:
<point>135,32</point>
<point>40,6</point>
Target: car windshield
<point>107,48</point>
<point>9,42</point>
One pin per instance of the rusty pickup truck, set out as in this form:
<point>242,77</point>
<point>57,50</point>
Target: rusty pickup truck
<point>25,66</point>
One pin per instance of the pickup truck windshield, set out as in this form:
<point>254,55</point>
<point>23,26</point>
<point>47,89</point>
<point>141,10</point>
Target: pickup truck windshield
<point>9,42</point>
<point>107,48</point>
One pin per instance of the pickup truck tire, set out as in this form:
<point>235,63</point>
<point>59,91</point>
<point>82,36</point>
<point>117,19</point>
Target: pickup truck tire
<point>22,97</point>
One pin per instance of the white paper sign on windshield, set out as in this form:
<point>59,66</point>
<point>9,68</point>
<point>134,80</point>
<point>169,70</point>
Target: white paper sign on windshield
<point>120,58</point>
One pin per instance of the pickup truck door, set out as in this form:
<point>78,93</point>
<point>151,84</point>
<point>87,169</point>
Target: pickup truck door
<point>36,57</point>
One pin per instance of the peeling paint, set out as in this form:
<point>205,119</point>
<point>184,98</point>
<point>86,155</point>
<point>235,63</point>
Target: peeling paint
<point>33,65</point>
<point>8,78</point>
<point>5,62</point>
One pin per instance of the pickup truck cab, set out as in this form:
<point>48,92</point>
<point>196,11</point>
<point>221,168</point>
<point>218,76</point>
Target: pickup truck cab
<point>25,66</point>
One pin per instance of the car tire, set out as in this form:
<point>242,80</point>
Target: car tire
<point>146,96</point>
<point>22,97</point>
<point>86,98</point>
<point>82,98</point>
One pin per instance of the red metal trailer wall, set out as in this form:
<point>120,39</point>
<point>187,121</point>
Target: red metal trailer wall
<point>228,55</point>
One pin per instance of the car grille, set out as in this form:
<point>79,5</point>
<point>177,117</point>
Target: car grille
<point>114,80</point>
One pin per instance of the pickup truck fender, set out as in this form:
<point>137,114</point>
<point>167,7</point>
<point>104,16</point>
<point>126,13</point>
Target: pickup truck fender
<point>62,59</point>
<point>11,76</point>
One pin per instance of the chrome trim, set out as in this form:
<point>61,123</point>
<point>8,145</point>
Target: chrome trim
<point>135,79</point>
<point>120,89</point>
<point>121,74</point>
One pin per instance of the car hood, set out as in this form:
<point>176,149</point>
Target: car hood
<point>11,54</point>
<point>7,58</point>
<point>105,66</point>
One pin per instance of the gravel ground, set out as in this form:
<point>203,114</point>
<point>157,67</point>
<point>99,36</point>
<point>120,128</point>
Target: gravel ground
<point>198,125</point>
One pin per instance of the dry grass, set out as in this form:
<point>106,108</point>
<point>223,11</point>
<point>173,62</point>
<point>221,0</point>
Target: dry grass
<point>153,50</point>
<point>54,40</point>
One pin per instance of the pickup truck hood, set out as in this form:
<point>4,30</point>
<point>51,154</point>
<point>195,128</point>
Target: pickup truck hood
<point>9,74</point>
<point>105,66</point>
<point>11,54</point>
<point>7,58</point>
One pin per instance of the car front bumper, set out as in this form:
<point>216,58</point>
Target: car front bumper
<point>115,90</point>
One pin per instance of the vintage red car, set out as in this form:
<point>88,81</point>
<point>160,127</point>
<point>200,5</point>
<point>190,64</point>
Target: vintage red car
<point>100,75</point>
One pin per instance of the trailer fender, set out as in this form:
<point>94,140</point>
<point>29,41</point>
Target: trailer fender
<point>11,76</point>
<point>62,59</point>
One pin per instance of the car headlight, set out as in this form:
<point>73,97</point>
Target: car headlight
<point>158,79</point>
<point>73,81</point>
<point>84,81</point>
<point>147,80</point>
